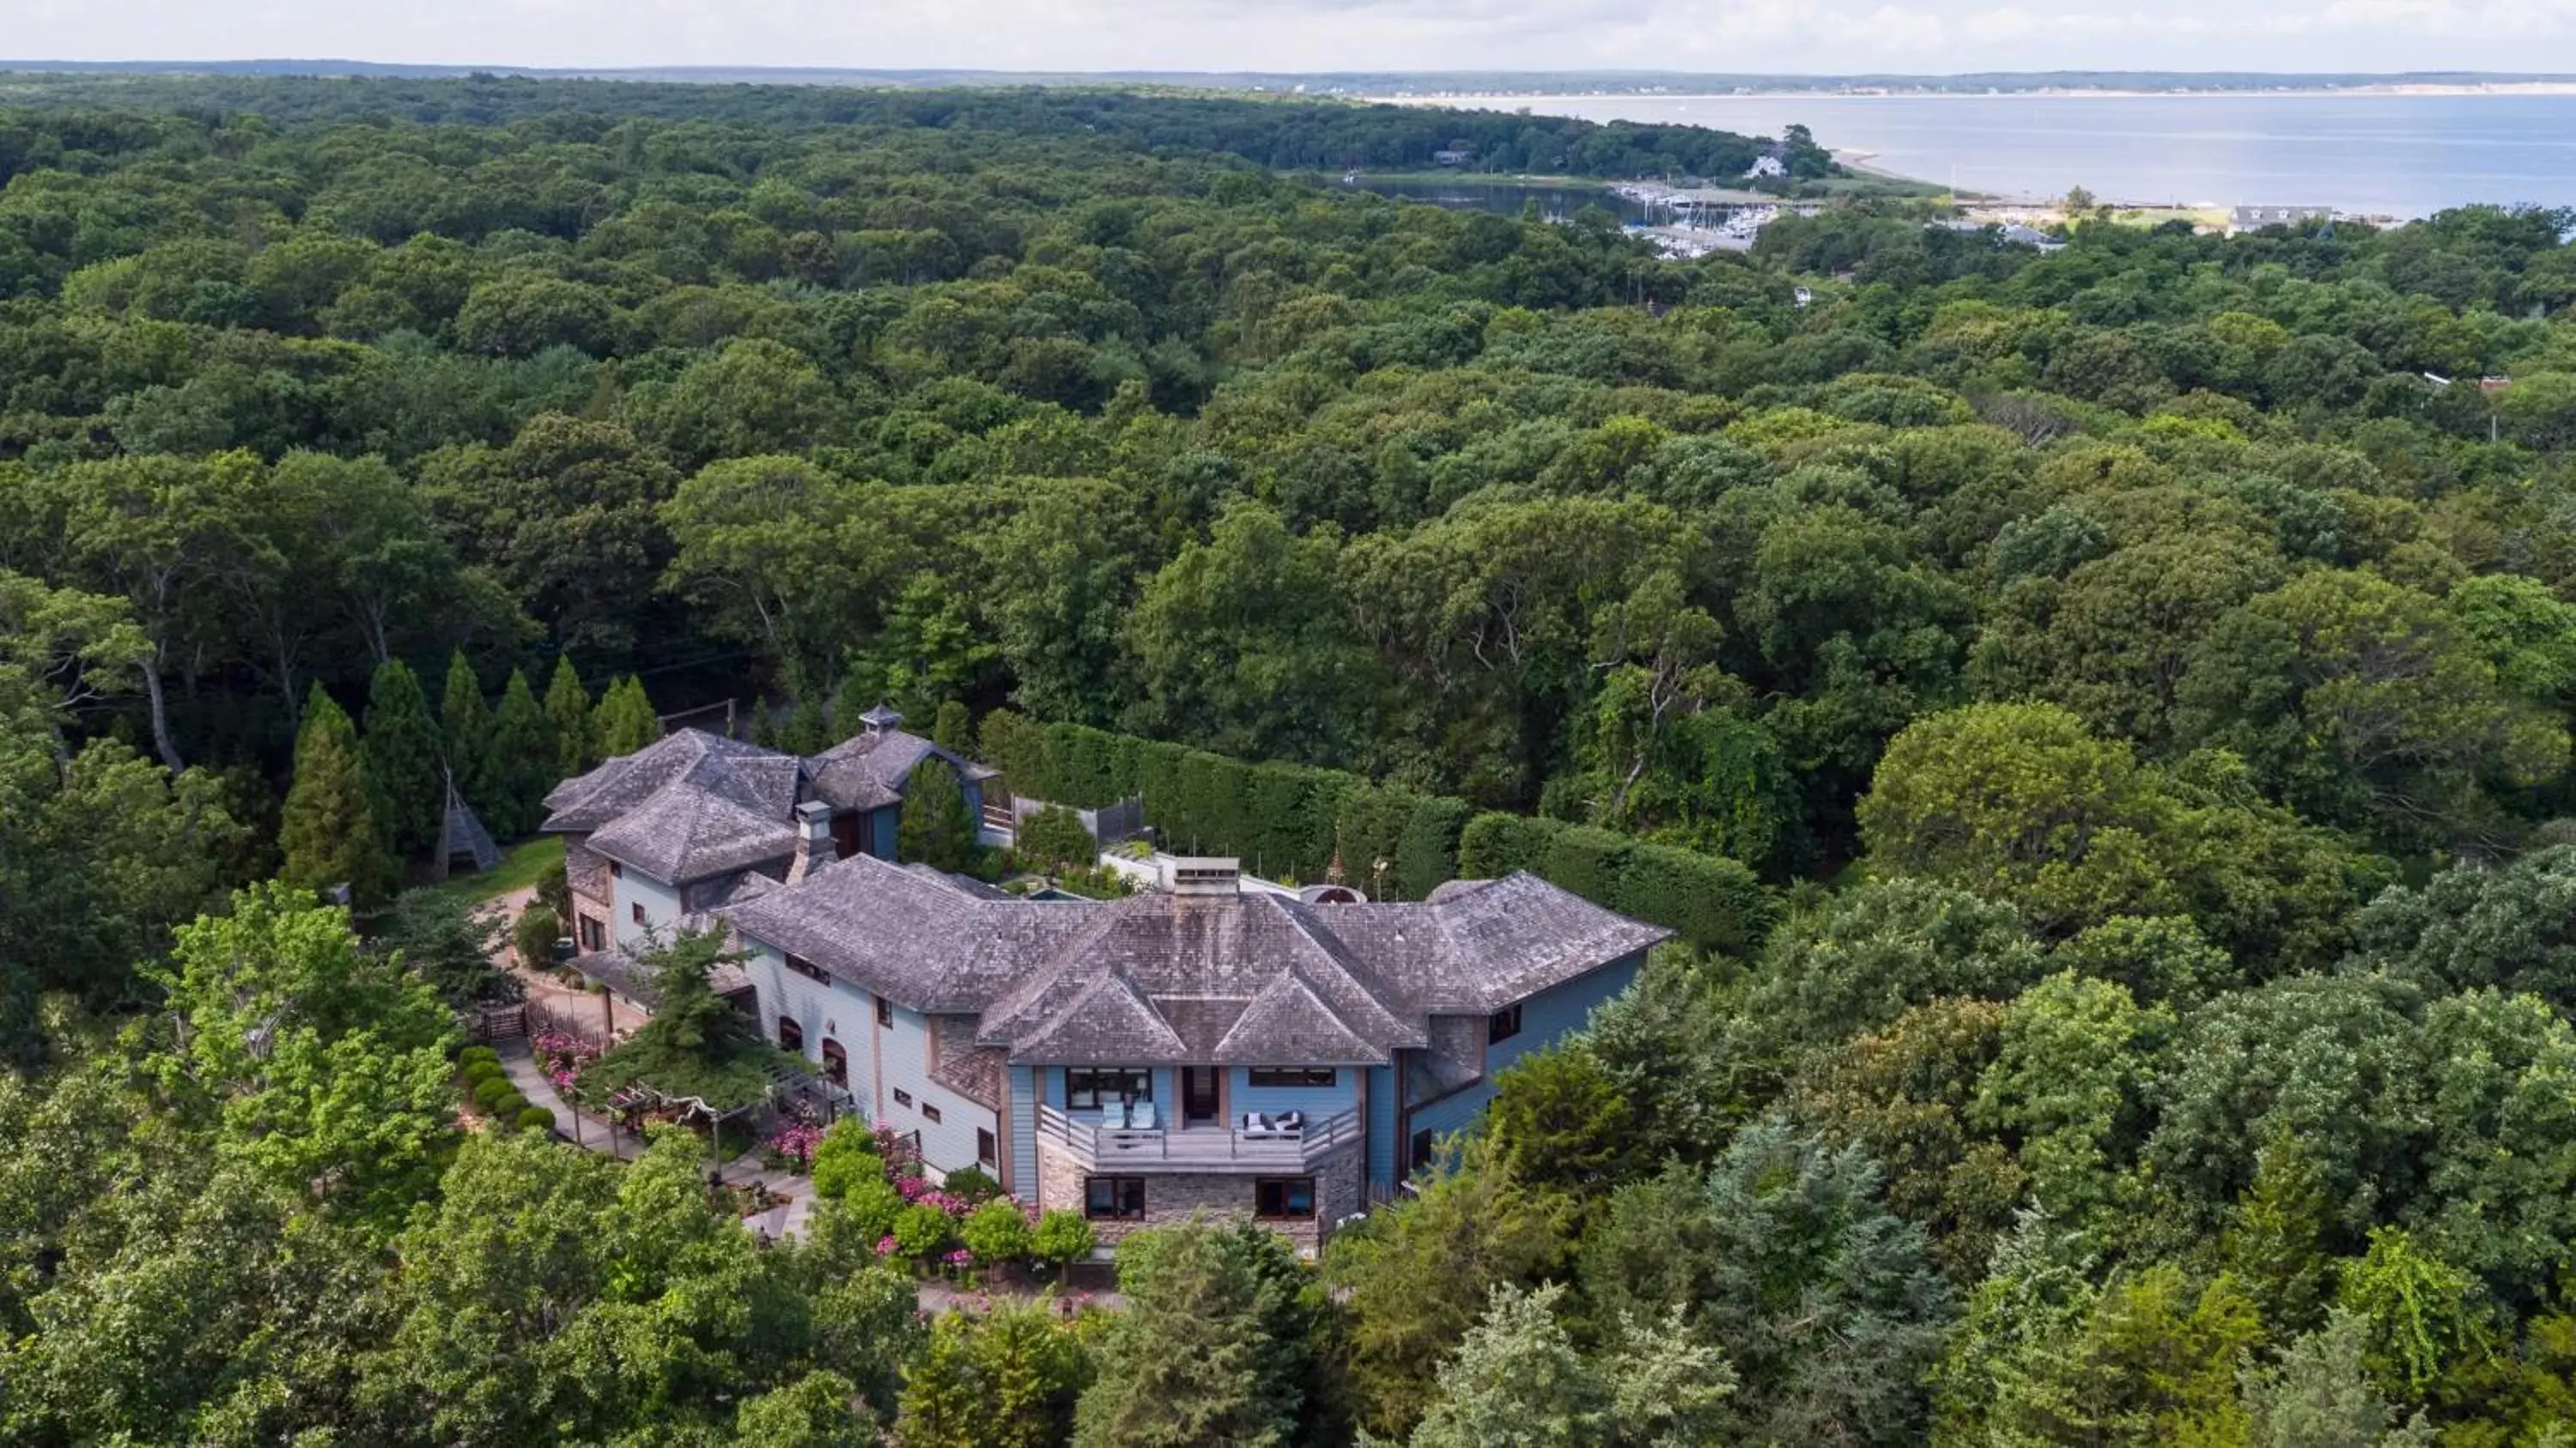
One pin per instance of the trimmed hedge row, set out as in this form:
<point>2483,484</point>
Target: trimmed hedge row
<point>1709,900</point>
<point>1288,822</point>
<point>1285,821</point>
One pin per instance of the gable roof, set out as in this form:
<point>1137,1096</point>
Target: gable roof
<point>868,771</point>
<point>1252,979</point>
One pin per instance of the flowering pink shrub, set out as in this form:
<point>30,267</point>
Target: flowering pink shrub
<point>796,1135</point>
<point>561,1056</point>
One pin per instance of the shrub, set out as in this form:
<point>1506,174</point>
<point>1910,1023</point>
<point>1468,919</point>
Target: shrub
<point>472,1056</point>
<point>1587,861</point>
<point>478,1072</point>
<point>536,1118</point>
<point>1367,833</point>
<point>922,1232</point>
<point>873,1206</point>
<point>998,1232</point>
<point>845,1158</point>
<point>971,1186</point>
<point>1711,901</point>
<point>1054,837</point>
<point>491,1091</point>
<point>535,935</point>
<point>1063,1237</point>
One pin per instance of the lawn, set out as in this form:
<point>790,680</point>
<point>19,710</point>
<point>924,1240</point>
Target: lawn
<point>521,867</point>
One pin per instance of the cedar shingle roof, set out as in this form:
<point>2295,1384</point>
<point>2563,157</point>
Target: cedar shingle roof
<point>693,805</point>
<point>1250,979</point>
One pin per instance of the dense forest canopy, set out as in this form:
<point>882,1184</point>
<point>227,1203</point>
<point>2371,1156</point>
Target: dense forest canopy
<point>2140,673</point>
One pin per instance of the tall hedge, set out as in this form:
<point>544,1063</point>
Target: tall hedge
<point>1426,853</point>
<point>1368,829</point>
<point>1709,900</point>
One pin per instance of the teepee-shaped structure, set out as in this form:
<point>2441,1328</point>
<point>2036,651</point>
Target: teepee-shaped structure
<point>461,833</point>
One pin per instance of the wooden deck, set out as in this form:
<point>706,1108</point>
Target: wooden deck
<point>1199,1147</point>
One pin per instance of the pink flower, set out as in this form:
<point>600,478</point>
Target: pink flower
<point>886,1246</point>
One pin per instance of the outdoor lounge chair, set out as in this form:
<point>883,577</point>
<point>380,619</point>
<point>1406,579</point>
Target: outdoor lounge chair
<point>1140,1117</point>
<point>1113,1117</point>
<point>1257,1125</point>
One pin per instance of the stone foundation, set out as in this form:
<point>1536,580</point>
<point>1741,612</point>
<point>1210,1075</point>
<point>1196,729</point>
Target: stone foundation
<point>1171,1197</point>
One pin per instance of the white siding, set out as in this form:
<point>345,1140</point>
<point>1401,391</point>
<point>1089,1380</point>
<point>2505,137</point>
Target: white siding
<point>947,1144</point>
<point>632,887</point>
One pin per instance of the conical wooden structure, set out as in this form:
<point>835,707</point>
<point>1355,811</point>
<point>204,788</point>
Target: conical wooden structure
<point>461,833</point>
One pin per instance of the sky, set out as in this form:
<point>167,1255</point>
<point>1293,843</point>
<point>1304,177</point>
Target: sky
<point>1767,36</point>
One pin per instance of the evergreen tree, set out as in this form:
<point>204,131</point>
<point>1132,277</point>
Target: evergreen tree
<point>805,732</point>
<point>403,760</point>
<point>469,733</point>
<point>520,763</point>
<point>935,827</point>
<point>568,718</point>
<point>625,721</point>
<point>328,834</point>
<point>1187,1364</point>
<point>954,729</point>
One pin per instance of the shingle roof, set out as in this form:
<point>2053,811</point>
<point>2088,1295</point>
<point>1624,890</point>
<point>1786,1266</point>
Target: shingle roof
<point>694,805</point>
<point>1251,979</point>
<point>868,772</point>
<point>620,971</point>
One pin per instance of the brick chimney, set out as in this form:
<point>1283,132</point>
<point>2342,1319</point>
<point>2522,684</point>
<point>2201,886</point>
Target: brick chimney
<point>813,839</point>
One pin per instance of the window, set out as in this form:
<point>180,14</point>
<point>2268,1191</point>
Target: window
<point>885,1013</point>
<point>616,871</point>
<point>1294,1075</point>
<point>836,1063</point>
<point>987,1150</point>
<point>1088,1088</point>
<point>930,1113</point>
<point>637,910</point>
<point>1113,1197</point>
<point>594,935</point>
<point>791,1035</point>
<point>902,1097</point>
<point>808,969</point>
<point>1283,1197</point>
<point>1426,1149</point>
<point>1506,1023</point>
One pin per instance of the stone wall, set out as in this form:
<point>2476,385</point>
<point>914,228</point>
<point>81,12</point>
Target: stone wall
<point>1172,1197</point>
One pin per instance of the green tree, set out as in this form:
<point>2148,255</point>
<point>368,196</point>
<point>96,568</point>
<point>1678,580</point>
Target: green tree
<point>2070,1083</point>
<point>328,834</point>
<point>695,1045</point>
<point>1003,1379</point>
<point>520,760</point>
<point>1055,836</point>
<point>1561,1124</point>
<point>468,725</point>
<point>1188,1362</point>
<point>935,827</point>
<point>405,764</point>
<point>624,722</point>
<point>568,719</point>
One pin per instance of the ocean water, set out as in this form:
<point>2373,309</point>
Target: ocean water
<point>2395,155</point>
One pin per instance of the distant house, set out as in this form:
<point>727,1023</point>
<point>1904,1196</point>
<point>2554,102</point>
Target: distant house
<point>1766,166</point>
<point>2020,235</point>
<point>1201,1048</point>
<point>2255,218</point>
<point>1456,153</point>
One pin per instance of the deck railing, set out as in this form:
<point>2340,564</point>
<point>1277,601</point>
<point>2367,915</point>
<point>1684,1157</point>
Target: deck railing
<point>1218,1146</point>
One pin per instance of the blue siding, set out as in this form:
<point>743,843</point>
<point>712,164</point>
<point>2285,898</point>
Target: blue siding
<point>1024,1133</point>
<point>1382,1146</point>
<point>881,831</point>
<point>1546,1018</point>
<point>1316,1101</point>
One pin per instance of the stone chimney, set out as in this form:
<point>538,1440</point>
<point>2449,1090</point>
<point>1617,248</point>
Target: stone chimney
<point>813,839</point>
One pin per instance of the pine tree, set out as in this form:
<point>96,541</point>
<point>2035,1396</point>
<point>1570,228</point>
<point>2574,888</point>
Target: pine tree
<point>935,828</point>
<point>804,732</point>
<point>521,761</point>
<point>625,721</point>
<point>568,717</point>
<point>328,833</point>
<point>403,760</point>
<point>469,734</point>
<point>954,730</point>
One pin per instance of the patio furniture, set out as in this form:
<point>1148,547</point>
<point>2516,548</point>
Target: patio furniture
<point>1140,1117</point>
<point>1113,1117</point>
<point>1291,1123</point>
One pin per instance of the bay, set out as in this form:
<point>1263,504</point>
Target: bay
<point>2393,154</point>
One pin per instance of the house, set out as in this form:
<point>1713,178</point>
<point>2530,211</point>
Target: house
<point>1201,1048</point>
<point>655,840</point>
<point>2255,218</point>
<point>1763,167</point>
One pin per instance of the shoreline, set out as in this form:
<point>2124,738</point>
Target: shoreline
<point>1483,100</point>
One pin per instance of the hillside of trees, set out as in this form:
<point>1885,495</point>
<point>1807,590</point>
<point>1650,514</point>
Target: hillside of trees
<point>2134,681</point>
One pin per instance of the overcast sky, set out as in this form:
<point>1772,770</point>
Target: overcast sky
<point>1803,36</point>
